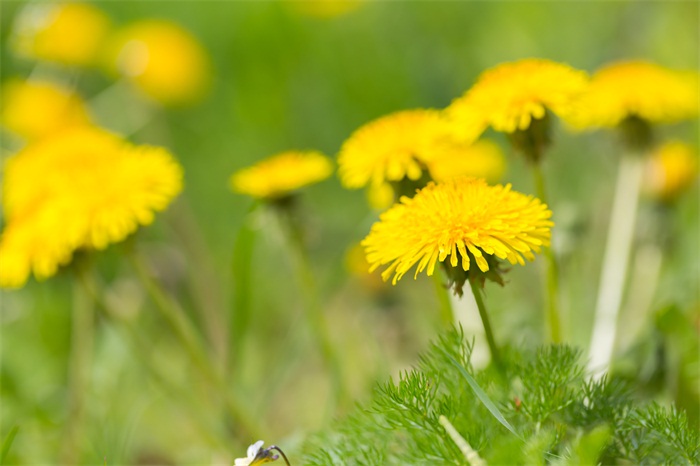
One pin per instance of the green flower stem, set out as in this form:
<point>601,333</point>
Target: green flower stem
<point>477,291</point>
<point>615,261</point>
<point>89,283</point>
<point>314,312</point>
<point>443,295</point>
<point>175,316</point>
<point>79,365</point>
<point>553,312</point>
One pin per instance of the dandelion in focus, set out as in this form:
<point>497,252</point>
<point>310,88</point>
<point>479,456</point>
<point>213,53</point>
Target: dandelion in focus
<point>670,170</point>
<point>36,109</point>
<point>282,174</point>
<point>162,59</point>
<point>637,89</point>
<point>511,95</point>
<point>71,34</point>
<point>82,189</point>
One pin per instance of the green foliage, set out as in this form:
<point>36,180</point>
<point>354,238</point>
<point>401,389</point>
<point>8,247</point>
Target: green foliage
<point>558,416</point>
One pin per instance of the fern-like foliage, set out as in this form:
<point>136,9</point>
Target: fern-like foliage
<point>539,408</point>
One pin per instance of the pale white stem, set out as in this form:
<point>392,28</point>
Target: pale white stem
<point>469,453</point>
<point>615,261</point>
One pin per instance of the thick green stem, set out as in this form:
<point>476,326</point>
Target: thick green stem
<point>553,312</point>
<point>175,316</point>
<point>476,290</point>
<point>79,363</point>
<point>443,295</point>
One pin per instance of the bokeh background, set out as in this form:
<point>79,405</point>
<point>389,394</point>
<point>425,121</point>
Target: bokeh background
<point>301,75</point>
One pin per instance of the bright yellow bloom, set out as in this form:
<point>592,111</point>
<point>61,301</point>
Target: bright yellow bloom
<point>670,170</point>
<point>162,59</point>
<point>638,89</point>
<point>325,9</point>
<point>35,109</point>
<point>509,96</point>
<point>391,148</point>
<point>281,174</point>
<point>483,159</point>
<point>68,33</point>
<point>463,219</point>
<point>84,188</point>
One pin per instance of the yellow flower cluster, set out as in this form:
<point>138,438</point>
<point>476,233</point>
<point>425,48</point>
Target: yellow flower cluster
<point>81,189</point>
<point>282,174</point>
<point>509,96</point>
<point>671,169</point>
<point>459,219</point>
<point>637,89</point>
<point>36,109</point>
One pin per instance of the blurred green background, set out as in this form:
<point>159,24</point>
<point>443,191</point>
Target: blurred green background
<point>283,80</point>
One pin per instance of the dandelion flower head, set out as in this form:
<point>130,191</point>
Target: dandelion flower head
<point>509,96</point>
<point>457,219</point>
<point>84,188</point>
<point>162,59</point>
<point>482,159</point>
<point>638,89</point>
<point>282,174</point>
<point>391,148</point>
<point>68,33</point>
<point>671,169</point>
<point>35,109</point>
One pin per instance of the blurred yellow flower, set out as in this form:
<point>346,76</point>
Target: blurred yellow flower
<point>84,188</point>
<point>68,33</point>
<point>281,174</point>
<point>483,159</point>
<point>35,109</point>
<point>325,9</point>
<point>671,169</point>
<point>638,89</point>
<point>463,218</point>
<point>509,96</point>
<point>162,59</point>
<point>390,148</point>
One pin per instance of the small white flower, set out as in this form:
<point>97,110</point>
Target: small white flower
<point>252,453</point>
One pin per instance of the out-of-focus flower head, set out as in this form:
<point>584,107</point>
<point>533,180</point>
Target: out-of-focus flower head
<point>83,188</point>
<point>162,59</point>
<point>509,96</point>
<point>282,174</point>
<point>670,170</point>
<point>483,159</point>
<point>325,9</point>
<point>637,89</point>
<point>464,219</point>
<point>36,109</point>
<point>67,33</point>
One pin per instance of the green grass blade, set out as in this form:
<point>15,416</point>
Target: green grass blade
<point>480,394</point>
<point>8,443</point>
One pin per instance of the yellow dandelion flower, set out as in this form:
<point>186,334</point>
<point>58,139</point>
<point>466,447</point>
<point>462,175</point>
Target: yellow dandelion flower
<point>81,189</point>
<point>483,159</point>
<point>162,59</point>
<point>464,219</point>
<point>390,148</point>
<point>325,9</point>
<point>671,169</point>
<point>509,96</point>
<point>35,109</point>
<point>281,174</point>
<point>68,33</point>
<point>638,89</point>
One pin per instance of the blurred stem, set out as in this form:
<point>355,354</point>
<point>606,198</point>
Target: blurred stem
<point>477,291</point>
<point>175,316</point>
<point>553,311</point>
<point>314,312</point>
<point>79,363</point>
<point>443,294</point>
<point>142,348</point>
<point>615,262</point>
